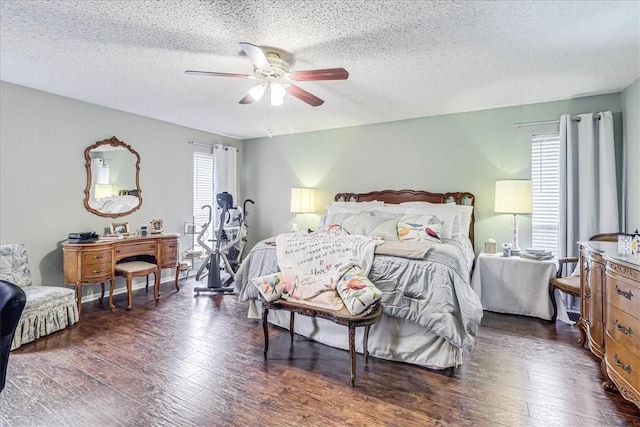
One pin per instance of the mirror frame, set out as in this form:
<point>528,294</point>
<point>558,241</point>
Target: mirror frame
<point>114,142</point>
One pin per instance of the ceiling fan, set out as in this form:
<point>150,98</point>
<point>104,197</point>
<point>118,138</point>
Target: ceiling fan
<point>274,76</point>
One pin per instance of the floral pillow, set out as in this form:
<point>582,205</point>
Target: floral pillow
<point>269,286</point>
<point>356,291</point>
<point>418,228</point>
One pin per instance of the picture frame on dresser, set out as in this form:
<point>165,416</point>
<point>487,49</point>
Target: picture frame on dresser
<point>157,226</point>
<point>121,228</point>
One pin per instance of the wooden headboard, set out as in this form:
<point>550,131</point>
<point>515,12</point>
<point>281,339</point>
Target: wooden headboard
<point>399,196</point>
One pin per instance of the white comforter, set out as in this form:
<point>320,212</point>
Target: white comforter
<point>433,292</point>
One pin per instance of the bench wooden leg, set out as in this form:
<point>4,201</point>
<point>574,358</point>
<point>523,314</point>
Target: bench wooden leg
<point>291,320</point>
<point>156,284</point>
<point>129,292</point>
<point>352,352</point>
<point>265,328</point>
<point>365,344</point>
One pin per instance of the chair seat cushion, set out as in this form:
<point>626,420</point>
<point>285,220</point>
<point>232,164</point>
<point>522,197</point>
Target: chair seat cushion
<point>135,267</point>
<point>48,309</point>
<point>569,285</point>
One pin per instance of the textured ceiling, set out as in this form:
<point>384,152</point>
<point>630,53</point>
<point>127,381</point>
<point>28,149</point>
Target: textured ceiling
<point>406,59</point>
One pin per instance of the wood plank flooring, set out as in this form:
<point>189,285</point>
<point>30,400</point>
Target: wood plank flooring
<point>198,362</point>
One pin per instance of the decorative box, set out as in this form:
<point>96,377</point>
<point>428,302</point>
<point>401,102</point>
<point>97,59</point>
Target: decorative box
<point>490,246</point>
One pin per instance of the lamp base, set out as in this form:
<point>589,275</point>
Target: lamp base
<point>515,247</point>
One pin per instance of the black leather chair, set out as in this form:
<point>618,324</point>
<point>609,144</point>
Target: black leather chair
<point>12,302</point>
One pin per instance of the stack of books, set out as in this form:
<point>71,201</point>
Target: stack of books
<point>538,254</point>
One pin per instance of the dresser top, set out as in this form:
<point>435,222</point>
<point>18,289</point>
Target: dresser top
<point>610,250</point>
<point>132,239</point>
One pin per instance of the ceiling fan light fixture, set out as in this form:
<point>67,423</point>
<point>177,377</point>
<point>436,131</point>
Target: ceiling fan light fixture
<point>277,94</point>
<point>257,92</point>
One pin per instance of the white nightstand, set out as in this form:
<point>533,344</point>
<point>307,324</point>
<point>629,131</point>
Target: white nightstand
<point>514,285</point>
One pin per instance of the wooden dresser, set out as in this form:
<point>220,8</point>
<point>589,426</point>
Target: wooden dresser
<point>94,263</point>
<point>610,314</point>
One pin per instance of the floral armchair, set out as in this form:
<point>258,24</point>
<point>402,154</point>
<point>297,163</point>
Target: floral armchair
<point>48,308</point>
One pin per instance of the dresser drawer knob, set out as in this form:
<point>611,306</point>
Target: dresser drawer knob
<point>626,331</point>
<point>626,294</point>
<point>98,271</point>
<point>626,368</point>
<point>98,256</point>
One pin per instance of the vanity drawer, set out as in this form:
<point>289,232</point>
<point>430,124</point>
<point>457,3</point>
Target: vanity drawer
<point>169,252</point>
<point>96,258</point>
<point>625,329</point>
<point>623,293</point>
<point>142,248</point>
<point>623,364</point>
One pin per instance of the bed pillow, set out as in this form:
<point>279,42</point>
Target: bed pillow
<point>353,223</point>
<point>356,291</point>
<point>419,228</point>
<point>352,207</point>
<point>269,286</point>
<point>462,228</point>
<point>383,225</point>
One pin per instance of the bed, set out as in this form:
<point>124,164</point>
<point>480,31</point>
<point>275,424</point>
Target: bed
<point>430,312</point>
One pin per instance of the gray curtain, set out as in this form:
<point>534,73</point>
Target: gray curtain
<point>588,184</point>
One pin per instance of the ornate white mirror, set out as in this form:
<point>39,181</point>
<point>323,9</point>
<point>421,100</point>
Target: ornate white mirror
<point>113,179</point>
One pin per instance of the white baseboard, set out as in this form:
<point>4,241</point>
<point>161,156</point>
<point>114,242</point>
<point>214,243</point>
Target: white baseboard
<point>94,290</point>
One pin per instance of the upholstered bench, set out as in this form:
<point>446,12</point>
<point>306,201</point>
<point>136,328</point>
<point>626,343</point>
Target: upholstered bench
<point>48,308</point>
<point>132,269</point>
<point>341,317</point>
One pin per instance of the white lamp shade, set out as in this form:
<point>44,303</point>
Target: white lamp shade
<point>303,200</point>
<point>513,196</point>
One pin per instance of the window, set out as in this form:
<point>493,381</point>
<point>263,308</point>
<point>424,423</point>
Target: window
<point>202,190</point>
<point>545,170</point>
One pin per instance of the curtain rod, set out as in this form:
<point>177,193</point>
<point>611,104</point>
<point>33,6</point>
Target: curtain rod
<point>548,122</point>
<point>202,144</point>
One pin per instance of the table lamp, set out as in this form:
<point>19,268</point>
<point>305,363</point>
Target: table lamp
<point>513,196</point>
<point>303,200</point>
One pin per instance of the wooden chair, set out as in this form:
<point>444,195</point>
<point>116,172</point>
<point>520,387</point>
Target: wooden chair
<point>132,269</point>
<point>571,284</point>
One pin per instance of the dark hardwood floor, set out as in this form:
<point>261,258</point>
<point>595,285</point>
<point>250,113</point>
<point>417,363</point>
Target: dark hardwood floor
<point>198,362</point>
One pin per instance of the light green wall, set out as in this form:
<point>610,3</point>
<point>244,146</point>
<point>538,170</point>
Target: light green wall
<point>457,152</point>
<point>42,175</point>
<point>631,108</point>
<point>42,172</point>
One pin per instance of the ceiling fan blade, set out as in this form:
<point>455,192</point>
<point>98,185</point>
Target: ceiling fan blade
<point>256,55</point>
<point>303,95</point>
<point>325,74</point>
<point>215,74</point>
<point>248,99</point>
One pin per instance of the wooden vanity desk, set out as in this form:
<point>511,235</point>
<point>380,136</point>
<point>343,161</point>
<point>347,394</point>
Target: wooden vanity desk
<point>610,314</point>
<point>94,263</point>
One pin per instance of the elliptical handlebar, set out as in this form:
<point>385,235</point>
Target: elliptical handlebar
<point>205,227</point>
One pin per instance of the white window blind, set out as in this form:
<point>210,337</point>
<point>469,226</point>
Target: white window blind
<point>202,189</point>
<point>545,169</point>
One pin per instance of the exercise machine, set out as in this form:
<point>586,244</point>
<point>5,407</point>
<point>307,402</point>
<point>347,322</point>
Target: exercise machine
<point>224,258</point>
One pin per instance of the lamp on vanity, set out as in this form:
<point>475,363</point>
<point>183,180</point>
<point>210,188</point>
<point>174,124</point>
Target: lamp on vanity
<point>513,196</point>
<point>303,200</point>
